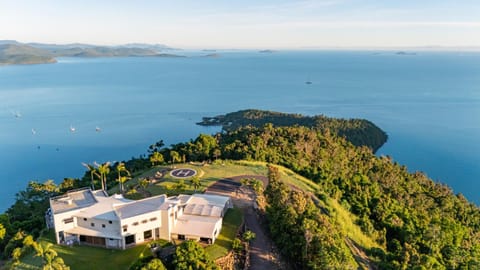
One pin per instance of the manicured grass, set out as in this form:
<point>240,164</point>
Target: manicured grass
<point>231,222</point>
<point>88,258</point>
<point>208,175</point>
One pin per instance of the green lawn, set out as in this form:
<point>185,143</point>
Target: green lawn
<point>88,258</point>
<point>208,175</point>
<point>213,172</point>
<point>232,220</point>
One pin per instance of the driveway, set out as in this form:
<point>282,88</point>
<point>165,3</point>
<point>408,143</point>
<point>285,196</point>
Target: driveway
<point>262,255</point>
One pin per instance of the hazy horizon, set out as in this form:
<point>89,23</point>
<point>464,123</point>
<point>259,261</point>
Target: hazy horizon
<point>305,48</point>
<point>280,24</point>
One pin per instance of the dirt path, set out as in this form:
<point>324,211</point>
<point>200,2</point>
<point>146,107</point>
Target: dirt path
<point>261,248</point>
<point>262,255</point>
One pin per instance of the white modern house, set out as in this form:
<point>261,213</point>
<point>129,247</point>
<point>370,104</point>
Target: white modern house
<point>94,218</point>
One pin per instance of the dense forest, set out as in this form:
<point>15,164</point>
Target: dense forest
<point>359,132</point>
<point>417,223</point>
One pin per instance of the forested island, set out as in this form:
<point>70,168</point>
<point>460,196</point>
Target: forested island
<point>353,210</point>
<point>359,132</point>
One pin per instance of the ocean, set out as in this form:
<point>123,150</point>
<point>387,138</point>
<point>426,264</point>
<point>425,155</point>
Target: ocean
<point>428,103</point>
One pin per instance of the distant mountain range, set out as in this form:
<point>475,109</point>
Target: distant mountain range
<point>15,53</point>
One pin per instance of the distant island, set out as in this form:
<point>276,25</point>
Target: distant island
<point>212,55</point>
<point>16,53</point>
<point>266,51</point>
<point>405,53</point>
<point>359,132</point>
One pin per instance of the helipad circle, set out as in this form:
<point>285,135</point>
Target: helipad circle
<point>183,173</point>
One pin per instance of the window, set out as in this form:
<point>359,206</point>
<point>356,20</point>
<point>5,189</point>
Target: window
<point>85,219</point>
<point>153,219</point>
<point>125,228</point>
<point>135,223</point>
<point>68,220</point>
<point>109,222</point>
<point>147,234</point>
<point>181,237</point>
<point>129,239</point>
<point>175,214</point>
<point>144,221</point>
<point>92,224</point>
<point>103,225</point>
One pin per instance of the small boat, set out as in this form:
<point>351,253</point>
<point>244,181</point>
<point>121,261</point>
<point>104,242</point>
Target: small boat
<point>308,82</point>
<point>72,129</point>
<point>34,131</point>
<point>16,114</point>
<point>97,129</point>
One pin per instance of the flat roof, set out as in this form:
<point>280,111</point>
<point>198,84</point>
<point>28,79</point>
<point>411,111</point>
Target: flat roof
<point>135,208</point>
<point>216,200</point>
<point>104,208</point>
<point>203,210</point>
<point>196,225</point>
<point>72,200</point>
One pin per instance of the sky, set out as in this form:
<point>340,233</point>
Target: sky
<point>266,24</point>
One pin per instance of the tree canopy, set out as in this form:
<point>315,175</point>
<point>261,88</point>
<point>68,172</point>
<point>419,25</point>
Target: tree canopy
<point>189,255</point>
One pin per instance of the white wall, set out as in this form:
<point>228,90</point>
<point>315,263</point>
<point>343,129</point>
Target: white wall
<point>110,229</point>
<point>60,225</point>
<point>139,229</point>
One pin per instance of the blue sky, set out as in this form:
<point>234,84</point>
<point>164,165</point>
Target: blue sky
<point>245,24</point>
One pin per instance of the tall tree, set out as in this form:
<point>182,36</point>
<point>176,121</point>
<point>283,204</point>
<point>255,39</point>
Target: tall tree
<point>3,231</point>
<point>175,156</point>
<point>123,175</point>
<point>195,182</point>
<point>50,258</point>
<point>156,158</point>
<point>156,146</point>
<point>103,170</point>
<point>91,169</point>
<point>155,264</point>
<point>189,255</point>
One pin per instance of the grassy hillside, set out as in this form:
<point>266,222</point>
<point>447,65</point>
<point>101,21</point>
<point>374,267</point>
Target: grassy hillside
<point>15,54</point>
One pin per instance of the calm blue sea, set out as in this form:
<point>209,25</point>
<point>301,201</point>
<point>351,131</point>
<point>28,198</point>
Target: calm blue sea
<point>428,103</point>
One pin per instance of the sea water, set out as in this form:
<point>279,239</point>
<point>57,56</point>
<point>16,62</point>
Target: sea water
<point>428,103</point>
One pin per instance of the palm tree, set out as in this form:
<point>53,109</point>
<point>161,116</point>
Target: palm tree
<point>180,186</point>
<point>103,171</point>
<point>156,157</point>
<point>92,171</point>
<point>175,156</point>
<point>49,256</point>
<point>122,178</point>
<point>217,153</point>
<point>195,182</point>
